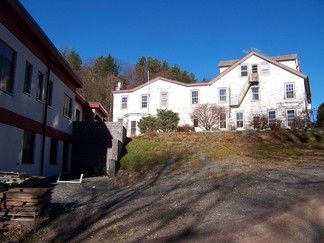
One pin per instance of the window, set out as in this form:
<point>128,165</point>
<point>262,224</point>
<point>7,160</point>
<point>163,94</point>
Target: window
<point>255,93</point>
<point>39,93</point>
<point>290,117</point>
<point>222,95</point>
<point>144,101</point>
<point>28,77</point>
<point>255,68</point>
<point>28,148</point>
<point>265,68</point>
<point>133,128</point>
<point>124,101</point>
<point>239,119</point>
<point>244,71</point>
<point>53,152</point>
<point>164,99</point>
<point>7,63</point>
<point>194,97</point>
<point>272,116</point>
<point>77,115</point>
<point>290,92</point>
<point>195,122</point>
<point>50,93</point>
<point>222,120</point>
<point>67,106</point>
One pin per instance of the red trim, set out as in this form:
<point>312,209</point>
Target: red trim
<point>15,120</point>
<point>98,107</point>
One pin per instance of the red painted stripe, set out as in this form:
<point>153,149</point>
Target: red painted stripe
<point>16,120</point>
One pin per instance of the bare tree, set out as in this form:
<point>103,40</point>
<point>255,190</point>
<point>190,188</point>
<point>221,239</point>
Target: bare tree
<point>208,115</point>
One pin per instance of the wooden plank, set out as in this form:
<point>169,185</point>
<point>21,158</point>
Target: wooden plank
<point>31,189</point>
<point>20,203</point>
<point>23,208</point>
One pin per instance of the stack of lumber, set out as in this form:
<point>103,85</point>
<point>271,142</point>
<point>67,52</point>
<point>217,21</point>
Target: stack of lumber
<point>24,203</point>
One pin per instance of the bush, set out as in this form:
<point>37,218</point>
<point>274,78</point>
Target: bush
<point>208,115</point>
<point>260,122</point>
<point>186,128</point>
<point>275,125</point>
<point>148,124</point>
<point>165,121</point>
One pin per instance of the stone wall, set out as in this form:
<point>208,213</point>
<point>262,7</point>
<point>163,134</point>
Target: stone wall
<point>97,147</point>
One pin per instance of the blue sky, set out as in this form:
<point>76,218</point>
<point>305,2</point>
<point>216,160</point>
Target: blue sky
<point>195,34</point>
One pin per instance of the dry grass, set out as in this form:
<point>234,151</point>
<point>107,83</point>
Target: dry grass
<point>284,148</point>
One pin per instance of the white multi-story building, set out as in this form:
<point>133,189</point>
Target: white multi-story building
<point>38,100</point>
<point>248,88</point>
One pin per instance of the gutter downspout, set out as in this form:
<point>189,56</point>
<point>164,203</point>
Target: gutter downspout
<point>42,162</point>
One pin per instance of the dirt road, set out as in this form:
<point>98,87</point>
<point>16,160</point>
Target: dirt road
<point>224,201</point>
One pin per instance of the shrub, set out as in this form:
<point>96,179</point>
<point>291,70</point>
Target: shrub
<point>186,128</point>
<point>167,120</point>
<point>260,122</point>
<point>208,115</point>
<point>275,125</point>
<point>148,124</point>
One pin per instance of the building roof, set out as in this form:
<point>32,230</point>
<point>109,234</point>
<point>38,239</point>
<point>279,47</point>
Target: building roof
<point>163,79</point>
<point>289,57</point>
<point>19,22</point>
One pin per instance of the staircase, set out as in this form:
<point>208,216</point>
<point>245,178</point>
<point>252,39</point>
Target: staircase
<point>237,98</point>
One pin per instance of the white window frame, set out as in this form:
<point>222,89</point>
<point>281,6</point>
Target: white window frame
<point>164,99</point>
<point>253,94</point>
<point>144,103</point>
<point>244,71</point>
<point>124,105</point>
<point>290,84</point>
<point>192,98</point>
<point>222,98</point>
<point>264,68</point>
<point>289,120</point>
<point>239,120</point>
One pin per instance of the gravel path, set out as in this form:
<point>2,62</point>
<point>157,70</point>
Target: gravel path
<point>224,201</point>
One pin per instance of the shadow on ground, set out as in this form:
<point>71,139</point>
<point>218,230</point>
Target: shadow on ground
<point>222,200</point>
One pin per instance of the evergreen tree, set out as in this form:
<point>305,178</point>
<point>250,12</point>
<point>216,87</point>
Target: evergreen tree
<point>320,115</point>
<point>73,58</point>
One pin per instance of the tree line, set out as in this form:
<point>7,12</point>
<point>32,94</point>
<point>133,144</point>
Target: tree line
<point>101,75</point>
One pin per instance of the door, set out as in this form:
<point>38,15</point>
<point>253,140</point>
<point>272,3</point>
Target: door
<point>133,128</point>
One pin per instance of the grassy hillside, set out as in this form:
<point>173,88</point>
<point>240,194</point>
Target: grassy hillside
<point>283,147</point>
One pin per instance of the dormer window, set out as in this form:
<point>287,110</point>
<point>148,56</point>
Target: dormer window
<point>244,70</point>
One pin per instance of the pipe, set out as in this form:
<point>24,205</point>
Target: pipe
<point>50,60</point>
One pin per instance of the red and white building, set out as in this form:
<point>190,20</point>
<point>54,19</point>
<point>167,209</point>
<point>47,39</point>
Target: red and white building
<point>38,101</point>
